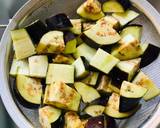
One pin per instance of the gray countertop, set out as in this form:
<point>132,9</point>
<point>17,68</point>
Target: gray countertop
<point>7,10</point>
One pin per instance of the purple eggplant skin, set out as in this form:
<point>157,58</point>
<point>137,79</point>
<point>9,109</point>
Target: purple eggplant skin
<point>58,22</point>
<point>36,30</point>
<point>97,122</point>
<point>151,54</point>
<point>85,62</point>
<point>68,36</point>
<point>111,123</point>
<point>128,104</point>
<point>102,100</point>
<point>90,42</point>
<point>125,3</point>
<point>118,76</point>
<point>22,101</point>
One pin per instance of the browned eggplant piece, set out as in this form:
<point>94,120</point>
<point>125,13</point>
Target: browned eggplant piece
<point>36,30</point>
<point>150,54</point>
<point>97,122</point>
<point>59,22</point>
<point>28,91</point>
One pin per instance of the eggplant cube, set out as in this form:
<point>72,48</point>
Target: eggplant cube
<point>130,95</point>
<point>125,70</point>
<point>101,34</point>
<point>38,66</point>
<point>30,89</point>
<point>63,96</point>
<point>51,42</point>
<point>143,80</point>
<point>128,48</point>
<point>60,72</point>
<point>83,90</point>
<point>103,61</point>
<point>112,108</point>
<point>80,68</point>
<point>72,120</point>
<point>22,44</point>
<point>19,67</point>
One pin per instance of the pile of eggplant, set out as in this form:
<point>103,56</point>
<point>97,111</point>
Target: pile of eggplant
<point>86,72</point>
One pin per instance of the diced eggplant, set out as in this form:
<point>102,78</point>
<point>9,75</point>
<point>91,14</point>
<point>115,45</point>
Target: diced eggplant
<point>77,26</point>
<point>151,53</point>
<point>51,42</point>
<point>124,70</point>
<point>112,6</point>
<point>109,21</point>
<point>83,90</point>
<point>130,95</point>
<point>100,34</point>
<point>60,72</point>
<point>127,48</point>
<point>81,67</point>
<point>91,79</point>
<point>72,120</point>
<point>19,67</point>
<point>59,22</point>
<point>38,66</point>
<point>48,115</point>
<point>62,96</point>
<point>96,122</point>
<point>112,108</point>
<point>29,89</point>
<point>126,17</point>
<point>86,51</point>
<point>91,10</point>
<point>36,30</point>
<point>133,29</point>
<point>87,25</point>
<point>94,110</point>
<point>125,3</point>
<point>103,85</point>
<point>103,61</point>
<point>71,42</point>
<point>61,59</point>
<point>143,80</point>
<point>22,44</point>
